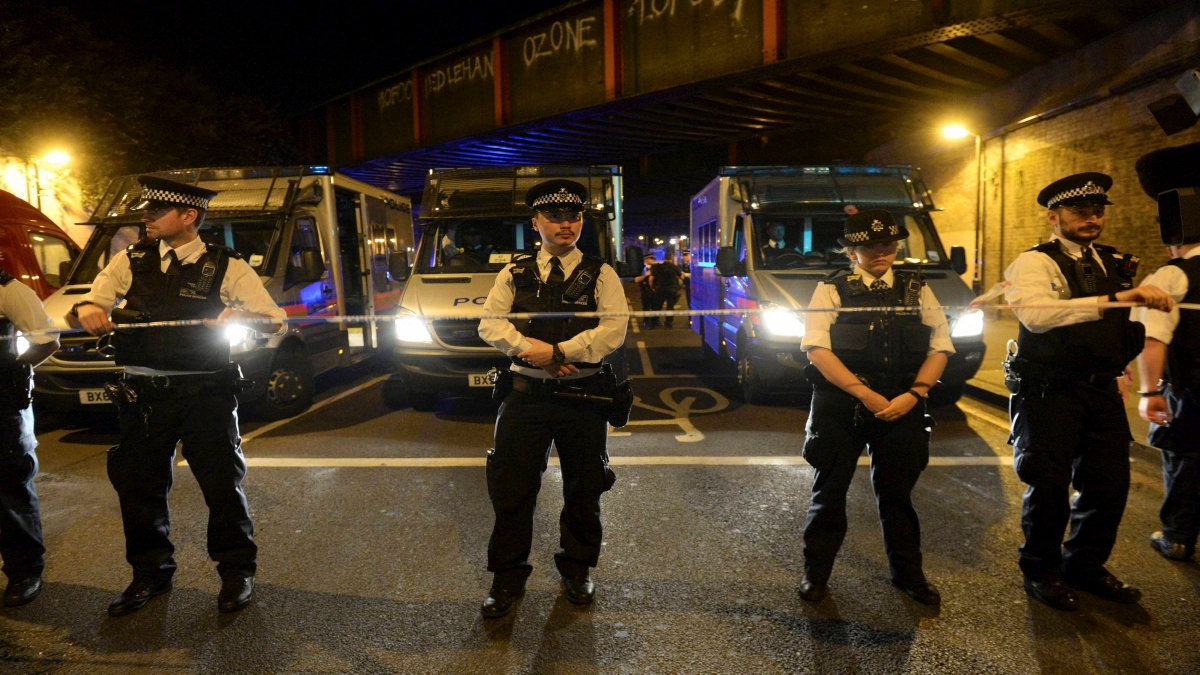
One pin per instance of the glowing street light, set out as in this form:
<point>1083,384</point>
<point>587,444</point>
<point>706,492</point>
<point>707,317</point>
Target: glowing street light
<point>955,132</point>
<point>958,132</point>
<point>57,158</point>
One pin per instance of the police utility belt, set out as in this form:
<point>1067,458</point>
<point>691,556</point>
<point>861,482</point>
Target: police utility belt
<point>614,400</point>
<point>1021,376</point>
<point>127,388</point>
<point>16,380</point>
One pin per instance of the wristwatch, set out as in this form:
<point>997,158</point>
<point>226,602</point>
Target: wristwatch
<point>918,394</point>
<point>1148,394</point>
<point>559,356</point>
<point>75,308</point>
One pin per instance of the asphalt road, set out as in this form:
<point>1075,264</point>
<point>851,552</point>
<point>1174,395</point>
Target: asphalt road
<point>373,525</point>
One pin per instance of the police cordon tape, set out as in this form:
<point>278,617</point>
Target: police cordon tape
<point>629,314</point>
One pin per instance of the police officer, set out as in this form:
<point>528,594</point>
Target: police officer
<point>178,385</point>
<point>871,374</point>
<point>646,291</point>
<point>1068,419</point>
<point>1170,363</point>
<point>665,279</point>
<point>555,368</point>
<point>20,520</point>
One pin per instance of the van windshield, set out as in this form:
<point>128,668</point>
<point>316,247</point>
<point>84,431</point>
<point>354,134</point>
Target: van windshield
<point>792,242</point>
<point>254,238</point>
<point>458,245</point>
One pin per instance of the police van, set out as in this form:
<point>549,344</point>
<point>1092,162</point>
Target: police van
<point>764,237</point>
<point>325,246</point>
<point>473,222</point>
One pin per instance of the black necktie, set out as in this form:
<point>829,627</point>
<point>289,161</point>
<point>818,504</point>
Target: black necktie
<point>556,272</point>
<point>1087,270</point>
<point>879,286</point>
<point>173,268</point>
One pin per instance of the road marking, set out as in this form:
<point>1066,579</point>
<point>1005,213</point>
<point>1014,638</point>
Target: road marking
<point>315,407</point>
<point>646,367</point>
<point>678,412</point>
<point>681,460</point>
<point>983,414</point>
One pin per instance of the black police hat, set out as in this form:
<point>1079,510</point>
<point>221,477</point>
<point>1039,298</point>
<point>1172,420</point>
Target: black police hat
<point>1081,189</point>
<point>157,190</point>
<point>557,194</point>
<point>876,226</point>
<point>1169,169</point>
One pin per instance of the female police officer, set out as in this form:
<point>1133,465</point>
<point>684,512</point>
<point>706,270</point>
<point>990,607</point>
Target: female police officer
<point>177,386</point>
<point>556,365</point>
<point>873,372</point>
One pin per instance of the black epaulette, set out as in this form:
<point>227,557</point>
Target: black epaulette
<point>217,248</point>
<point>847,280</point>
<point>524,271</point>
<point>5,277</point>
<point>1048,247</point>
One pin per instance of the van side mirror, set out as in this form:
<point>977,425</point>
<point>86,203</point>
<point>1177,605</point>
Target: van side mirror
<point>398,265</point>
<point>313,194</point>
<point>958,259</point>
<point>64,271</point>
<point>632,266</point>
<point>305,267</point>
<point>728,264</point>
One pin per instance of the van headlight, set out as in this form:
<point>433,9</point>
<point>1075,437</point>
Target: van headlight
<point>22,344</point>
<point>236,334</point>
<point>412,328</point>
<point>968,325</point>
<point>783,323</point>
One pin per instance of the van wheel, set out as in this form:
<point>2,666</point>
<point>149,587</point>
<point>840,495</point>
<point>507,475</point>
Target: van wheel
<point>423,401</point>
<point>946,394</point>
<point>289,387</point>
<point>750,387</point>
<point>395,393</point>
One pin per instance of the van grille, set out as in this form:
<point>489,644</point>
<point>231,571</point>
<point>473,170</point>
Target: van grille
<point>459,333</point>
<point>80,350</point>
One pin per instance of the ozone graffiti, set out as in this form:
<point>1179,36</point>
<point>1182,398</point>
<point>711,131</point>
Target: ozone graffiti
<point>562,36</point>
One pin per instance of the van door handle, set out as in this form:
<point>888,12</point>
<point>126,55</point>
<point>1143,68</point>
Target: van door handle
<point>325,290</point>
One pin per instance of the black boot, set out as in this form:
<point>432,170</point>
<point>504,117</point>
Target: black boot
<point>1052,592</point>
<point>22,591</point>
<point>813,591</point>
<point>1104,585</point>
<point>138,594</point>
<point>579,589</point>
<point>501,598</point>
<point>235,594</point>
<point>922,591</point>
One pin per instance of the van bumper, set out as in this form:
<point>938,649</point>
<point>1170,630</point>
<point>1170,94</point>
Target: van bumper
<point>431,371</point>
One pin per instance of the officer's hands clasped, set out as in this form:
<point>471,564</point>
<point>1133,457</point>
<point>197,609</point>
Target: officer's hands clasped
<point>541,354</point>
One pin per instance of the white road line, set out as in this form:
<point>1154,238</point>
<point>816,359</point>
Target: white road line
<point>647,369</point>
<point>983,414</point>
<point>315,407</point>
<point>681,460</point>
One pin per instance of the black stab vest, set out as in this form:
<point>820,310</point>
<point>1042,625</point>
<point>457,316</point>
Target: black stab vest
<point>879,343</point>
<point>1093,347</point>
<point>576,294</point>
<point>1183,354</point>
<point>193,293</point>
<point>8,347</point>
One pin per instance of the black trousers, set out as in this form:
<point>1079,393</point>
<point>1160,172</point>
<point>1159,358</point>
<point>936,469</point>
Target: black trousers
<point>525,429</point>
<point>665,300</point>
<point>20,518</point>
<point>647,297</point>
<point>1180,445</point>
<point>899,453</point>
<point>141,469</point>
<point>1064,435</point>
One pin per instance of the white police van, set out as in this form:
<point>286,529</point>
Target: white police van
<point>733,219</point>
<point>473,222</point>
<point>325,246</point>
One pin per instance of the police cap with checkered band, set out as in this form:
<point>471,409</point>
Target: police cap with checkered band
<point>875,226</point>
<point>165,192</point>
<point>556,195</point>
<point>1081,189</point>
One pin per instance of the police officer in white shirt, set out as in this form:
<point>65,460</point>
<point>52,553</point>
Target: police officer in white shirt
<point>178,385</point>
<point>1068,419</point>
<point>556,367</point>
<point>871,373</point>
<point>21,546</point>
<point>1170,363</point>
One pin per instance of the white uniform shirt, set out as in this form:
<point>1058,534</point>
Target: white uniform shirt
<point>1161,325</point>
<point>590,346</point>
<point>20,305</point>
<point>1037,280</point>
<point>240,289</point>
<point>816,324</point>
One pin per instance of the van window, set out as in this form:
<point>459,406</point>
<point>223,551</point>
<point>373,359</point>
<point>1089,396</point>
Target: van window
<point>704,247</point>
<point>49,252</point>
<point>791,242</point>
<point>460,245</point>
<point>251,237</point>
<point>105,242</point>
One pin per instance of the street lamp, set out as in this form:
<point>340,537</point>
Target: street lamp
<point>958,132</point>
<point>55,158</point>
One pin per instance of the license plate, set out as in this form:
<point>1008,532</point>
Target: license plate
<point>93,396</point>
<point>479,380</point>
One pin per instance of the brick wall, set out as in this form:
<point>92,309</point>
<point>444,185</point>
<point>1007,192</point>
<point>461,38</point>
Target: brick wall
<point>1107,136</point>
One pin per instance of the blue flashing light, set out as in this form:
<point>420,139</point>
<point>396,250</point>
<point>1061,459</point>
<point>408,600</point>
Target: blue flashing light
<point>319,170</point>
